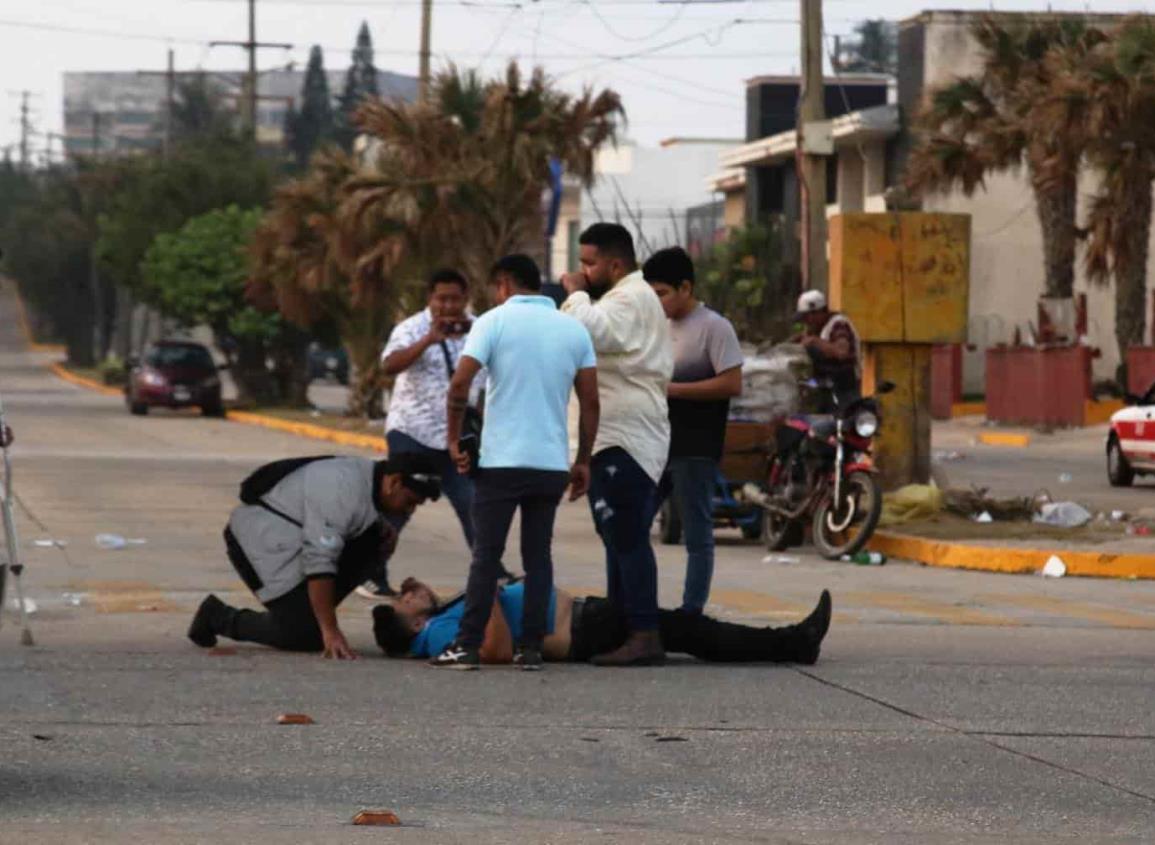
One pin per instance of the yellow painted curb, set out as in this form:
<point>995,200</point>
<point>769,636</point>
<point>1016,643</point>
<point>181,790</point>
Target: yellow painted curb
<point>63,372</point>
<point>317,432</point>
<point>968,409</point>
<point>1097,413</point>
<point>1011,560</point>
<point>1012,439</point>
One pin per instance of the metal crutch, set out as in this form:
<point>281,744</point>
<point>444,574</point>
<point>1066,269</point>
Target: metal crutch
<point>13,564</point>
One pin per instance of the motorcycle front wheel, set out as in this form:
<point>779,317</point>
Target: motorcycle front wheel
<point>843,528</point>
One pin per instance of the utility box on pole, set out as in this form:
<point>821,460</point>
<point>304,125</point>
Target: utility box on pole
<point>903,279</point>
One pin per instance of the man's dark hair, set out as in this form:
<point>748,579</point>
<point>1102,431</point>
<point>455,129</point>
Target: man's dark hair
<point>448,276</point>
<point>670,266</point>
<point>521,268</point>
<point>391,632</point>
<point>611,239</point>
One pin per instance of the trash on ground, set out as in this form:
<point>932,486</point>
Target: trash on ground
<point>781,559</point>
<point>295,719</point>
<point>72,599</point>
<point>944,456</point>
<point>1063,514</point>
<point>911,503</point>
<point>1118,516</point>
<point>30,605</point>
<point>1054,567</point>
<point>376,817</point>
<point>865,558</point>
<point>1065,478</point>
<point>112,542</point>
<point>1139,530</point>
<point>47,543</point>
<point>967,503</point>
<point>984,517</point>
<point>314,414</point>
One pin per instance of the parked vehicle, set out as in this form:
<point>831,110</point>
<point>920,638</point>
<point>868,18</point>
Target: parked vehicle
<point>328,364</point>
<point>729,512</point>
<point>822,471</point>
<point>174,374</point>
<point>1131,443</point>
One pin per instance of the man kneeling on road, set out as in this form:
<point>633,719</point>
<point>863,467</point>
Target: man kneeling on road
<point>416,625</point>
<point>308,532</point>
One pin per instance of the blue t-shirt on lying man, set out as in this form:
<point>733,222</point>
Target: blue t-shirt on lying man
<point>532,353</point>
<point>440,631</point>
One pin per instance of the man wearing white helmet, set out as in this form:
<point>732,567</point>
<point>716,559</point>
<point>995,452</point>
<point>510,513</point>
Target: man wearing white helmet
<point>834,347</point>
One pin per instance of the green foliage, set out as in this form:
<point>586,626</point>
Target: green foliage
<point>197,274</point>
<point>745,278</point>
<point>112,371</point>
<point>313,125</point>
<point>199,112</point>
<point>875,50</point>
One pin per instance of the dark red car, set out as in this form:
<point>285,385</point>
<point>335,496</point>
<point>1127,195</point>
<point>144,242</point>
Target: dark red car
<point>174,374</point>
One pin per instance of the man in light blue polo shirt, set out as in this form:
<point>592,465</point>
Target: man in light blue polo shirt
<point>533,354</point>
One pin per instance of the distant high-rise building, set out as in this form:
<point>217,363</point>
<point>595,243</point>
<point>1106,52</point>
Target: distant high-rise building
<point>124,111</point>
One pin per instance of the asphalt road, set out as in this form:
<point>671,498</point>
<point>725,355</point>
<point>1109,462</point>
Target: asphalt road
<point>948,706</point>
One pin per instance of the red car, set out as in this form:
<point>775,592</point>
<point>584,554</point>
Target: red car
<point>1131,443</point>
<point>174,374</point>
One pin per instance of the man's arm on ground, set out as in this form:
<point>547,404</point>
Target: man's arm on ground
<point>722,386</point>
<point>611,321</point>
<point>456,403</point>
<point>497,645</point>
<point>589,406</point>
<point>323,599</point>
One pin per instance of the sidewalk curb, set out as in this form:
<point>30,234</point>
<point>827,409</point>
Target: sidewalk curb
<point>951,555</point>
<point>62,372</point>
<point>1008,439</point>
<point>315,432</point>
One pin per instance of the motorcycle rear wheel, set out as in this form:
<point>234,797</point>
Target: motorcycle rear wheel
<point>844,529</point>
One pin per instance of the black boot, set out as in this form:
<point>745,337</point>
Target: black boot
<point>811,631</point>
<point>212,617</point>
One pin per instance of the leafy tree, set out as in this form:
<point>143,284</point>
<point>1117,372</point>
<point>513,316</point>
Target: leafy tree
<point>313,124</point>
<point>875,50</point>
<point>745,278</point>
<point>199,111</point>
<point>360,84</point>
<point>1005,116</point>
<point>197,276</point>
<point>1112,88</point>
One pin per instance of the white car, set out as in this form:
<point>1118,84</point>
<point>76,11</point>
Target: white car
<point>1131,443</point>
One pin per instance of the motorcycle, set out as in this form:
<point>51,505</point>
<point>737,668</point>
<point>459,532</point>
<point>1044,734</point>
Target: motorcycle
<point>822,471</point>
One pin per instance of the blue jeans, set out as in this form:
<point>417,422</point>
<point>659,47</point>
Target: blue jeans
<point>458,488</point>
<point>691,483</point>
<point>623,500</point>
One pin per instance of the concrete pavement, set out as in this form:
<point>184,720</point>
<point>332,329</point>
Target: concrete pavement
<point>948,706</point>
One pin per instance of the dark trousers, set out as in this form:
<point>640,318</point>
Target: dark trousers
<point>288,622</point>
<point>598,627</point>
<point>623,500</point>
<point>692,482</point>
<point>497,493</point>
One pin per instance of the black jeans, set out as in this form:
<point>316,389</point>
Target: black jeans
<point>624,501</point>
<point>497,493</point>
<point>599,626</point>
<point>288,621</point>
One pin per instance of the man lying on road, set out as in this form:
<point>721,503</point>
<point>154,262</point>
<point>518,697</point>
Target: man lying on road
<point>309,531</point>
<point>416,625</point>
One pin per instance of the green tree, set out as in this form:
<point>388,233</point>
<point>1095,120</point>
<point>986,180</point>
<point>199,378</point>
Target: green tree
<point>874,51</point>
<point>360,84</point>
<point>197,276</point>
<point>312,125</point>
<point>745,278</point>
<point>200,112</point>
<point>1008,115</point>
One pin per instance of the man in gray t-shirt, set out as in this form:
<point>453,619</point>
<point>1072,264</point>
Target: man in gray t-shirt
<point>707,374</point>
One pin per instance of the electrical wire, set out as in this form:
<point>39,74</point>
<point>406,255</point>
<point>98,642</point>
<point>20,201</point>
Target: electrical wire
<point>592,6</point>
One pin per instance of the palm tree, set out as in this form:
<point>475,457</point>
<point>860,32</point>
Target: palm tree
<point>1114,88</point>
<point>1007,115</point>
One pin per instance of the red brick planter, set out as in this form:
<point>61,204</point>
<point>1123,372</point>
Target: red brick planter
<point>945,379</point>
<point>1140,369</point>
<point>1038,386</point>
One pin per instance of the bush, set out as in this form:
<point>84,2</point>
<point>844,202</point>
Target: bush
<point>112,371</point>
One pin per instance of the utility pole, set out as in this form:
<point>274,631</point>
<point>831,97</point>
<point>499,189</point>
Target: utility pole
<point>814,144</point>
<point>250,85</point>
<point>426,39</point>
<point>25,129</point>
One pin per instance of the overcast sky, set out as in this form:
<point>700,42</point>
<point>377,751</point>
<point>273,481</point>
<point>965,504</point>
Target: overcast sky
<point>680,67</point>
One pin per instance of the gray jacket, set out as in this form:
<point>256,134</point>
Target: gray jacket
<point>334,501</point>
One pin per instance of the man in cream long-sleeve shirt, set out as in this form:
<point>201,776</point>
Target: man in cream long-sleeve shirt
<point>635,363</point>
